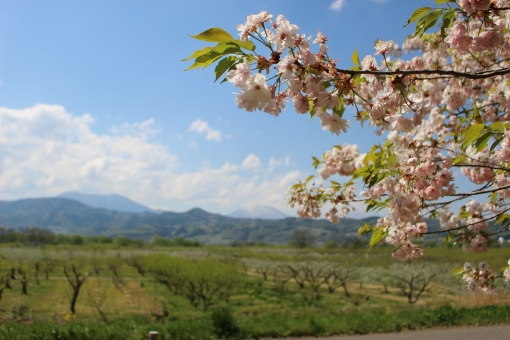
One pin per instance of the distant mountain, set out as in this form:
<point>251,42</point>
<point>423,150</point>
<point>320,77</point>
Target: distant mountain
<point>111,202</point>
<point>68,216</point>
<point>262,212</point>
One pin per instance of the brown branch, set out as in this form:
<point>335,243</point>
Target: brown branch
<point>480,192</point>
<point>468,75</point>
<point>467,225</point>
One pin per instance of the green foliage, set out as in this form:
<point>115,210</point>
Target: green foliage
<point>427,17</point>
<point>228,49</point>
<point>224,324</point>
<point>202,282</point>
<point>355,60</point>
<point>213,35</point>
<point>378,235</point>
<point>478,136</point>
<point>330,244</point>
<point>265,326</point>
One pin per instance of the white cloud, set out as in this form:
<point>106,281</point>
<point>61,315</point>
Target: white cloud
<point>143,129</point>
<point>274,163</point>
<point>202,127</point>
<point>45,150</point>
<point>337,5</point>
<point>251,162</point>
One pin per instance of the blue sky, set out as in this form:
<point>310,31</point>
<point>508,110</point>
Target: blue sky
<point>94,98</point>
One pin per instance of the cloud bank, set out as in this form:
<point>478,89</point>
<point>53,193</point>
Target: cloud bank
<point>45,150</point>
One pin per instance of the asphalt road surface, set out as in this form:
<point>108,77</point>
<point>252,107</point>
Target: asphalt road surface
<point>467,333</point>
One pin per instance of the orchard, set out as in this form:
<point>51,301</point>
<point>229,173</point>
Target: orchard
<point>446,106</point>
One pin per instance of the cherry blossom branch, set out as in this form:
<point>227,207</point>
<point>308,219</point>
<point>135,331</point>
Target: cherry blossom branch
<point>500,232</point>
<point>468,75</point>
<point>467,225</point>
<point>480,166</point>
<point>481,192</point>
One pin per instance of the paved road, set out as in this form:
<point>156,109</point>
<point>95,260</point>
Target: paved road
<point>467,333</point>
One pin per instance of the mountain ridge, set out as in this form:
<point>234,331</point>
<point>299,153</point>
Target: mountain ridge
<point>260,211</point>
<point>67,216</point>
<point>111,201</point>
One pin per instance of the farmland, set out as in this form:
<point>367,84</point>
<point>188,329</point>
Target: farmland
<point>224,291</point>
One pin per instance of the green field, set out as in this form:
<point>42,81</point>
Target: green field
<point>210,292</point>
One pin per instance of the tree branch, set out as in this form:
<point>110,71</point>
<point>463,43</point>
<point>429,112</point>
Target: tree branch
<point>468,75</point>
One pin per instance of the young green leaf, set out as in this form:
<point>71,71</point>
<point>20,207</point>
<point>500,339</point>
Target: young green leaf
<point>457,272</point>
<point>448,18</point>
<point>355,58</point>
<point>427,21</point>
<point>378,235</point>
<point>198,53</point>
<point>476,114</point>
<point>417,14</point>
<point>440,2</point>
<point>481,142</point>
<point>248,45</point>
<point>214,35</point>
<point>366,229</point>
<point>471,134</point>
<point>224,65</point>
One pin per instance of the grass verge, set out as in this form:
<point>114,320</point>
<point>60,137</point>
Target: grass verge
<point>274,325</point>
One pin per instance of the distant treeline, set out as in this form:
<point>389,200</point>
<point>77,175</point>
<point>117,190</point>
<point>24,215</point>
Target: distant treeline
<point>41,236</point>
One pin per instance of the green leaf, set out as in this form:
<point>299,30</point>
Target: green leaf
<point>214,35</point>
<point>316,162</point>
<point>481,143</point>
<point>377,236</point>
<point>476,114</point>
<point>448,19</point>
<point>339,110</point>
<point>218,51</point>
<point>460,159</point>
<point>309,178</point>
<point>360,171</point>
<point>498,126</point>
<point>248,45</point>
<point>471,134</point>
<point>427,21</point>
<point>392,159</point>
<point>503,219</point>
<point>418,14</point>
<point>440,2</point>
<point>198,53</point>
<point>224,65</point>
<point>355,58</point>
<point>296,186</point>
<point>496,143</point>
<point>366,229</point>
<point>457,272</point>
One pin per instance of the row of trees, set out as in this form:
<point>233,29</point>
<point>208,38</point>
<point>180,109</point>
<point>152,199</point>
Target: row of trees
<point>41,236</point>
<point>315,278</point>
<point>207,281</point>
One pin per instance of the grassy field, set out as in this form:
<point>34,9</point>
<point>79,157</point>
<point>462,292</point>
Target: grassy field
<point>108,305</point>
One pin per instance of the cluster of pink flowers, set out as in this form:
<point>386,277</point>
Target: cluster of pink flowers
<point>402,236</point>
<point>425,115</point>
<point>308,207</point>
<point>341,160</point>
<point>478,278</point>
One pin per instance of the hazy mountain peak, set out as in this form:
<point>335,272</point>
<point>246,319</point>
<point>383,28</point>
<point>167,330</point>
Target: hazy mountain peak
<point>261,212</point>
<point>111,202</point>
